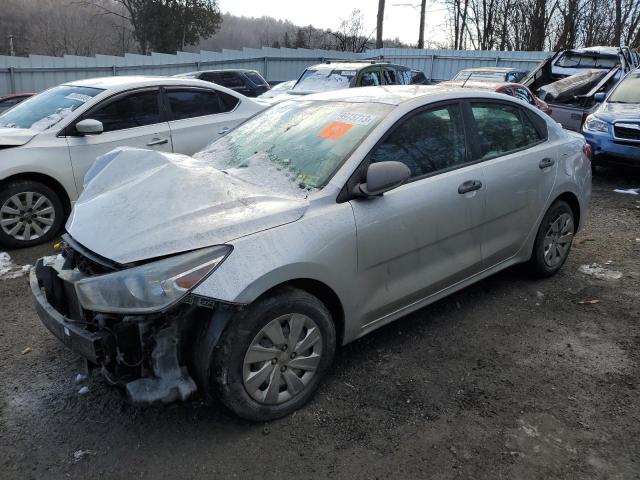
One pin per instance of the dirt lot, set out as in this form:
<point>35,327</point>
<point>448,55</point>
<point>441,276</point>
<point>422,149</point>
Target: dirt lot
<point>511,378</point>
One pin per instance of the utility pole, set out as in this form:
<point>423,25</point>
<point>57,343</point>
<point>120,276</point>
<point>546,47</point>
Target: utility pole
<point>423,7</point>
<point>379,23</point>
<point>12,52</point>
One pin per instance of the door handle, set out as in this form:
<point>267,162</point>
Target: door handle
<point>157,141</point>
<point>223,130</point>
<point>469,186</point>
<point>546,162</point>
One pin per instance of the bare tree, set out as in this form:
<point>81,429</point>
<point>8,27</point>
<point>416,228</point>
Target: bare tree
<point>351,35</point>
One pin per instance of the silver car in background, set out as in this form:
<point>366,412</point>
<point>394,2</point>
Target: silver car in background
<point>241,270</point>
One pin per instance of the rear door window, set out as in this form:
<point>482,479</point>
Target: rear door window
<point>256,78</point>
<point>502,129</point>
<point>370,78</point>
<point>524,94</point>
<point>427,142</point>
<point>390,76</point>
<point>402,77</point>
<point>133,110</point>
<point>190,103</point>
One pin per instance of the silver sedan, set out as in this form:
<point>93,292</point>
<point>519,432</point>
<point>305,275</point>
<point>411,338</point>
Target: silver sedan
<point>239,271</point>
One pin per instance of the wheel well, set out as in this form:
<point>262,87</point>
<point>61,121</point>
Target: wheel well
<point>46,180</point>
<point>572,200</point>
<point>326,295</point>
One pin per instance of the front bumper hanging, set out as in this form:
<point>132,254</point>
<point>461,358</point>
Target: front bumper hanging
<point>139,353</point>
<point>90,345</point>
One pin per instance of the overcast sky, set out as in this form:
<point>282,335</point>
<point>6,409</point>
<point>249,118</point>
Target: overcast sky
<point>400,20</point>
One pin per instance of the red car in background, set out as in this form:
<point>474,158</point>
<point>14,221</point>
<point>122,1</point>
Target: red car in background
<point>9,101</point>
<point>512,89</point>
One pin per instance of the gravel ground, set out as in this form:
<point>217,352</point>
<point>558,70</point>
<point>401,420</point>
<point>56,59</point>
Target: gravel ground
<point>510,378</point>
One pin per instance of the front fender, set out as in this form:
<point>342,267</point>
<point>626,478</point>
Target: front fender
<point>320,246</point>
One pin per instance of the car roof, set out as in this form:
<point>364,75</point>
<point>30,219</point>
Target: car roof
<point>15,95</point>
<point>491,69</point>
<point>348,65</point>
<point>396,94</point>
<point>240,70</point>
<point>125,82</point>
<point>491,85</point>
<point>596,50</point>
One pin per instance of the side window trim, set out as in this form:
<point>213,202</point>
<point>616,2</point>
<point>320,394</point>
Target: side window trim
<point>474,128</point>
<point>70,130</point>
<point>167,104</point>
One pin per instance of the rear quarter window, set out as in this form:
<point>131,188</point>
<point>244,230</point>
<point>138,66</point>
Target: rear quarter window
<point>503,128</point>
<point>255,78</point>
<point>417,78</point>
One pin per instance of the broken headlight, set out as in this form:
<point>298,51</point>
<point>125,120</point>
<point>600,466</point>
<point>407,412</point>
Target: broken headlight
<point>150,287</point>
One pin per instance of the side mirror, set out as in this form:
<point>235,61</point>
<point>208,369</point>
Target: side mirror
<point>599,97</point>
<point>382,177</point>
<point>89,126</point>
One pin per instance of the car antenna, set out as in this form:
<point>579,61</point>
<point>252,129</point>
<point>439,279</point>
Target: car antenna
<point>466,79</point>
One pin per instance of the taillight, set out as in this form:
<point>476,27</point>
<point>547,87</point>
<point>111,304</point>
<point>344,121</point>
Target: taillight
<point>586,149</point>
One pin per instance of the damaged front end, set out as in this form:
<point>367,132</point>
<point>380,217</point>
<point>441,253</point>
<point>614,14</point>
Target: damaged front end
<point>132,321</point>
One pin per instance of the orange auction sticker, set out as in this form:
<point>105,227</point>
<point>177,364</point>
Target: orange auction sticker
<point>335,130</point>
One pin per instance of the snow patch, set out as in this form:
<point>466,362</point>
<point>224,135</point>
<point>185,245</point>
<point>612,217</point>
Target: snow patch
<point>9,270</point>
<point>629,191</point>
<point>601,273</point>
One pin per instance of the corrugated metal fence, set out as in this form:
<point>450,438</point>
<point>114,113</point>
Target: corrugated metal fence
<point>37,72</point>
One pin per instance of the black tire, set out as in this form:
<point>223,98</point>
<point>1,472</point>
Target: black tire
<point>20,188</point>
<point>538,264</point>
<point>226,374</point>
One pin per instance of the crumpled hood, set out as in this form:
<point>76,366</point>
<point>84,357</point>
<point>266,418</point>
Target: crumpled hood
<point>611,112</point>
<point>140,204</point>
<point>14,137</point>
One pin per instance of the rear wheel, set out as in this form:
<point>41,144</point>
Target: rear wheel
<point>273,355</point>
<point>30,213</point>
<point>554,239</point>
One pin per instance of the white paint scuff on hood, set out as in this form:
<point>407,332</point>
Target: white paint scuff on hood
<point>14,137</point>
<point>140,204</point>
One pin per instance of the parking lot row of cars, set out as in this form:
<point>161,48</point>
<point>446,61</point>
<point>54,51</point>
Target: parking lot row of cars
<point>48,143</point>
<point>242,240</point>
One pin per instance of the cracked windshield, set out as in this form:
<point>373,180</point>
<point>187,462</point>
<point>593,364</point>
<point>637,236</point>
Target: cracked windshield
<point>298,144</point>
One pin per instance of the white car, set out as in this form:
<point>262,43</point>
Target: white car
<point>48,142</point>
<point>278,89</point>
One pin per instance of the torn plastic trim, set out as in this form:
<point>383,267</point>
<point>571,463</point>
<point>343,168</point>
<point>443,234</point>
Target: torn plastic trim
<point>170,380</point>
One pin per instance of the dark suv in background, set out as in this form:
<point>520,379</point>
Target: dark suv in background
<point>247,82</point>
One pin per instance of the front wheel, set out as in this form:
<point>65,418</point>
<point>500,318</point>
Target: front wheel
<point>553,240</point>
<point>30,213</point>
<point>273,355</point>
